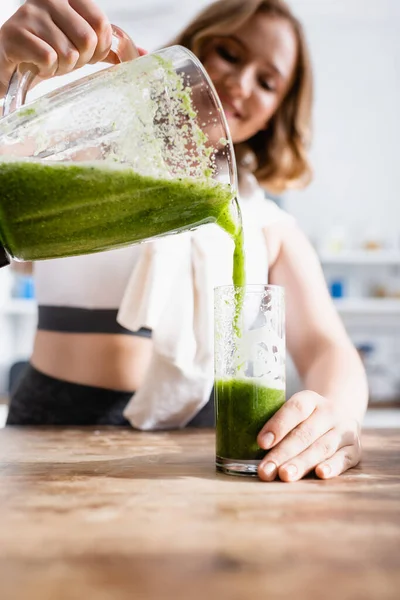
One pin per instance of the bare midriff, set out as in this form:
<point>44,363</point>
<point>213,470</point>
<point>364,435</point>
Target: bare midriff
<point>111,361</point>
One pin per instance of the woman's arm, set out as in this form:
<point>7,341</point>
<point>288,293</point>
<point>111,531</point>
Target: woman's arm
<point>318,427</point>
<point>317,341</point>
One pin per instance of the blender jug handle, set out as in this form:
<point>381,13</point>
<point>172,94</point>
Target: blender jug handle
<point>122,50</point>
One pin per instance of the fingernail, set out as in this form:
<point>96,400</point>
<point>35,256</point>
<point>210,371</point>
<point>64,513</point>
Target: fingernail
<point>291,471</point>
<point>268,440</point>
<point>269,469</point>
<point>326,470</point>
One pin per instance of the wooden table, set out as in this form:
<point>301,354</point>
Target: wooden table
<point>114,514</point>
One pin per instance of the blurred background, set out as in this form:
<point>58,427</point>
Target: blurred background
<point>351,212</point>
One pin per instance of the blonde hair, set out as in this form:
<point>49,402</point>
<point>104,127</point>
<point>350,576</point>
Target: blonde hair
<point>278,154</point>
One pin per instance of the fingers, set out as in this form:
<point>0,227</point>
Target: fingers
<point>67,55</point>
<point>332,453</point>
<point>304,436</point>
<point>25,47</point>
<point>295,411</point>
<point>7,68</point>
<point>54,35</point>
<point>86,26</point>
<point>344,459</point>
<point>18,45</point>
<point>324,448</point>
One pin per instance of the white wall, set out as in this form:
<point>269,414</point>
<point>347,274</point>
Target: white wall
<point>355,47</point>
<point>7,7</point>
<point>154,22</point>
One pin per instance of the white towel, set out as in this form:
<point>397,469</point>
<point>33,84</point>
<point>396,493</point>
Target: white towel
<point>170,291</point>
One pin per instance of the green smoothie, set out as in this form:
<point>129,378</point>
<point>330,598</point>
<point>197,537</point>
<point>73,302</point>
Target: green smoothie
<point>51,210</point>
<point>242,409</point>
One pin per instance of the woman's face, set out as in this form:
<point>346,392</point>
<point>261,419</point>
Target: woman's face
<point>252,70</point>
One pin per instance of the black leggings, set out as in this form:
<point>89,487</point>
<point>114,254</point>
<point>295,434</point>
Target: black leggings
<point>42,400</point>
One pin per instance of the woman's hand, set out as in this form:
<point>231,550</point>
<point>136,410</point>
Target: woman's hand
<point>308,432</point>
<point>56,36</point>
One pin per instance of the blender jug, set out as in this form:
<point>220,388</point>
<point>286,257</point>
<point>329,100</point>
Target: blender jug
<point>135,151</point>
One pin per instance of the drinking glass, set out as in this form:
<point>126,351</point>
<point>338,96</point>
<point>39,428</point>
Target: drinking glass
<point>249,371</point>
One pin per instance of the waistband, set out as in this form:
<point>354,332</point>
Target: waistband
<point>39,399</point>
<point>68,319</point>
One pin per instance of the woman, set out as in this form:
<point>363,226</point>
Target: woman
<point>85,366</point>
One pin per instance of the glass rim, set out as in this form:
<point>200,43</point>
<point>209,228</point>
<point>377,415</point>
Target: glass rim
<point>250,287</point>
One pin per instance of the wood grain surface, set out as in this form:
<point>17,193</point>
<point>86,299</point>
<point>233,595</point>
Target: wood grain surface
<point>103,514</point>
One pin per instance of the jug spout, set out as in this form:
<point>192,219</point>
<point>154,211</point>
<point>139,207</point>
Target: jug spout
<point>230,219</point>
